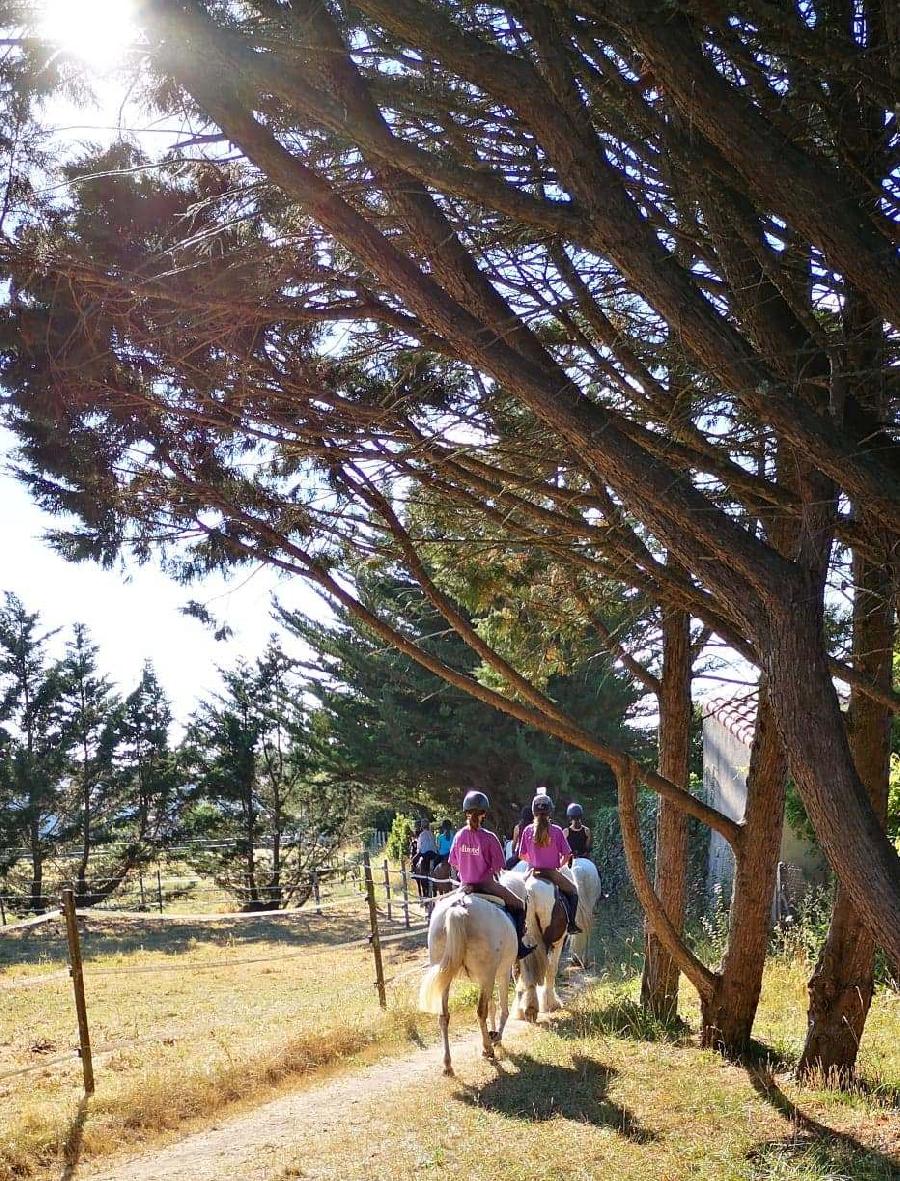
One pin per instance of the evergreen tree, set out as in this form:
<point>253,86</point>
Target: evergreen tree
<point>35,752</point>
<point>407,737</point>
<point>92,711</point>
<point>264,821</point>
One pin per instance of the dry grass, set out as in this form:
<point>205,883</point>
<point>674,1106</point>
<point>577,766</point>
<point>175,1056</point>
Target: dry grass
<point>181,1029</point>
<point>601,1093</point>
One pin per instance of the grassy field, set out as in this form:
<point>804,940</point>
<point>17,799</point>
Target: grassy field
<point>182,1024</point>
<point>185,1027</point>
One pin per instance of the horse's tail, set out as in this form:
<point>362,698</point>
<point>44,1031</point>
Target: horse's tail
<point>438,977</point>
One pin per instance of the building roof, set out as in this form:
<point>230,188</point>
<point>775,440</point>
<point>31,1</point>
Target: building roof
<point>737,714</point>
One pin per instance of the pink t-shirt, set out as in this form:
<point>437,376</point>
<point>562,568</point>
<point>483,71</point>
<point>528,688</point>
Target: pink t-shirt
<point>476,855</point>
<point>550,856</point>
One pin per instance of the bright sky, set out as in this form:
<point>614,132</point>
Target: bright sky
<point>134,615</point>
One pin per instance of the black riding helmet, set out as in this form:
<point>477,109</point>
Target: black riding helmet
<point>541,804</point>
<point>575,811</point>
<point>476,801</point>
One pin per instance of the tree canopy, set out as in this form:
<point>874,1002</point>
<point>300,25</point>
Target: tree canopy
<point>611,281</point>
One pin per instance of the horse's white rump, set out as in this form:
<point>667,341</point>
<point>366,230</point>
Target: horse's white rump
<point>469,933</point>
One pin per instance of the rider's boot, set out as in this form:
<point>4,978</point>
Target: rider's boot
<point>518,918</point>
<point>570,902</point>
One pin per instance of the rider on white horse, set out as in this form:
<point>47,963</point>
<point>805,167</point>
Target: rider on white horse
<point>578,834</point>
<point>545,849</point>
<point>477,856</point>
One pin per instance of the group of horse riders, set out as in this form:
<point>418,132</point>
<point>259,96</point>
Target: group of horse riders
<point>477,856</point>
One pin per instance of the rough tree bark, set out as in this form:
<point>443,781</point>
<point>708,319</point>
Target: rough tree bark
<point>841,987</point>
<point>659,985</point>
<point>728,1013</point>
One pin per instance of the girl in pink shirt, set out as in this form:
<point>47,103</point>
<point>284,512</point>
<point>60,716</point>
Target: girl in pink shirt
<point>546,850</point>
<point>477,856</point>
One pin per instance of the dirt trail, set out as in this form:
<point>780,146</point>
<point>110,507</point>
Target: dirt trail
<point>255,1146</point>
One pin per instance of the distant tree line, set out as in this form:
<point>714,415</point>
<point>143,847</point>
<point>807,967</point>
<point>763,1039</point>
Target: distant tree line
<point>292,757</point>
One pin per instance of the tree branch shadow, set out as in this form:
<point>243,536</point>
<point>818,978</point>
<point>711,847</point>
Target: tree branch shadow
<point>538,1091</point>
<point>812,1137</point>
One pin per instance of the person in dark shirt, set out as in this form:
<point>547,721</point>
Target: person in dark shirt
<point>577,834</point>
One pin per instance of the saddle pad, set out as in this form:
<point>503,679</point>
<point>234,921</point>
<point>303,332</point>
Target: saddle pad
<point>489,898</point>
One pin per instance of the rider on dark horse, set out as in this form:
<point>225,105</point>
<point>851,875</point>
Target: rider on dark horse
<point>545,848</point>
<point>477,856</point>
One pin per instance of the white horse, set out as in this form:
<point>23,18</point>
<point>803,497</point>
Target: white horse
<point>586,877</point>
<point>472,933</point>
<point>546,930</point>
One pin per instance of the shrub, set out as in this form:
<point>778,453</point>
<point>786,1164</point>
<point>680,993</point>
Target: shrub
<point>400,836</point>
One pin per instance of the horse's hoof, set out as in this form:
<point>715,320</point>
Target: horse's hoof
<point>448,1072</point>
<point>531,1015</point>
<point>494,1036</point>
<point>488,1053</point>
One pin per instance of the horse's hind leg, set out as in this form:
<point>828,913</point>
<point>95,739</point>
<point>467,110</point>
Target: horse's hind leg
<point>445,1030</point>
<point>504,981</point>
<point>484,998</point>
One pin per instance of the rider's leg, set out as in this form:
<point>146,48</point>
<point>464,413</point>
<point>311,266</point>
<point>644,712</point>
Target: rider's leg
<point>569,892</point>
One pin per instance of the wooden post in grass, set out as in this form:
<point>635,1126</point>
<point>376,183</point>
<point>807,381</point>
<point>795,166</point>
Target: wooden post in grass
<point>159,890</point>
<point>77,974</point>
<point>2,911</point>
<point>141,884</point>
<point>373,923</point>
<point>405,884</point>
<point>315,890</point>
<point>387,891</point>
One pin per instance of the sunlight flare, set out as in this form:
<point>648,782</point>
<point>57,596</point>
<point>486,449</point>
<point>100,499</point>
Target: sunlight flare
<point>97,31</point>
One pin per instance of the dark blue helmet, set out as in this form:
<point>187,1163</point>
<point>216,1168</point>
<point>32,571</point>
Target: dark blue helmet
<point>541,804</point>
<point>575,811</point>
<point>476,801</point>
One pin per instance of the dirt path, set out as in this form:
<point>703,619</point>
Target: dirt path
<point>257,1145</point>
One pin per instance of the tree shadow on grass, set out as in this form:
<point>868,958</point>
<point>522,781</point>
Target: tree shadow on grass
<point>814,1142</point>
<point>538,1091</point>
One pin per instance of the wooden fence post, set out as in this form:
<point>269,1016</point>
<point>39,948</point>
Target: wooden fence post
<point>159,890</point>
<point>315,890</point>
<point>77,974</point>
<point>141,884</point>
<point>373,923</point>
<point>387,892</point>
<point>405,885</point>
<point>2,911</point>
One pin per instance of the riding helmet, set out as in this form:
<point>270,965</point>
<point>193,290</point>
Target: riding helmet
<point>476,801</point>
<point>541,803</point>
<point>574,811</point>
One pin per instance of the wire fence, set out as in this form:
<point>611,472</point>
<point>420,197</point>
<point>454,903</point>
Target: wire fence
<point>381,898</point>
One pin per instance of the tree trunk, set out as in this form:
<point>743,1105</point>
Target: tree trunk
<point>812,728</point>
<point>841,987</point>
<point>659,985</point>
<point>728,1015</point>
<point>37,869</point>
